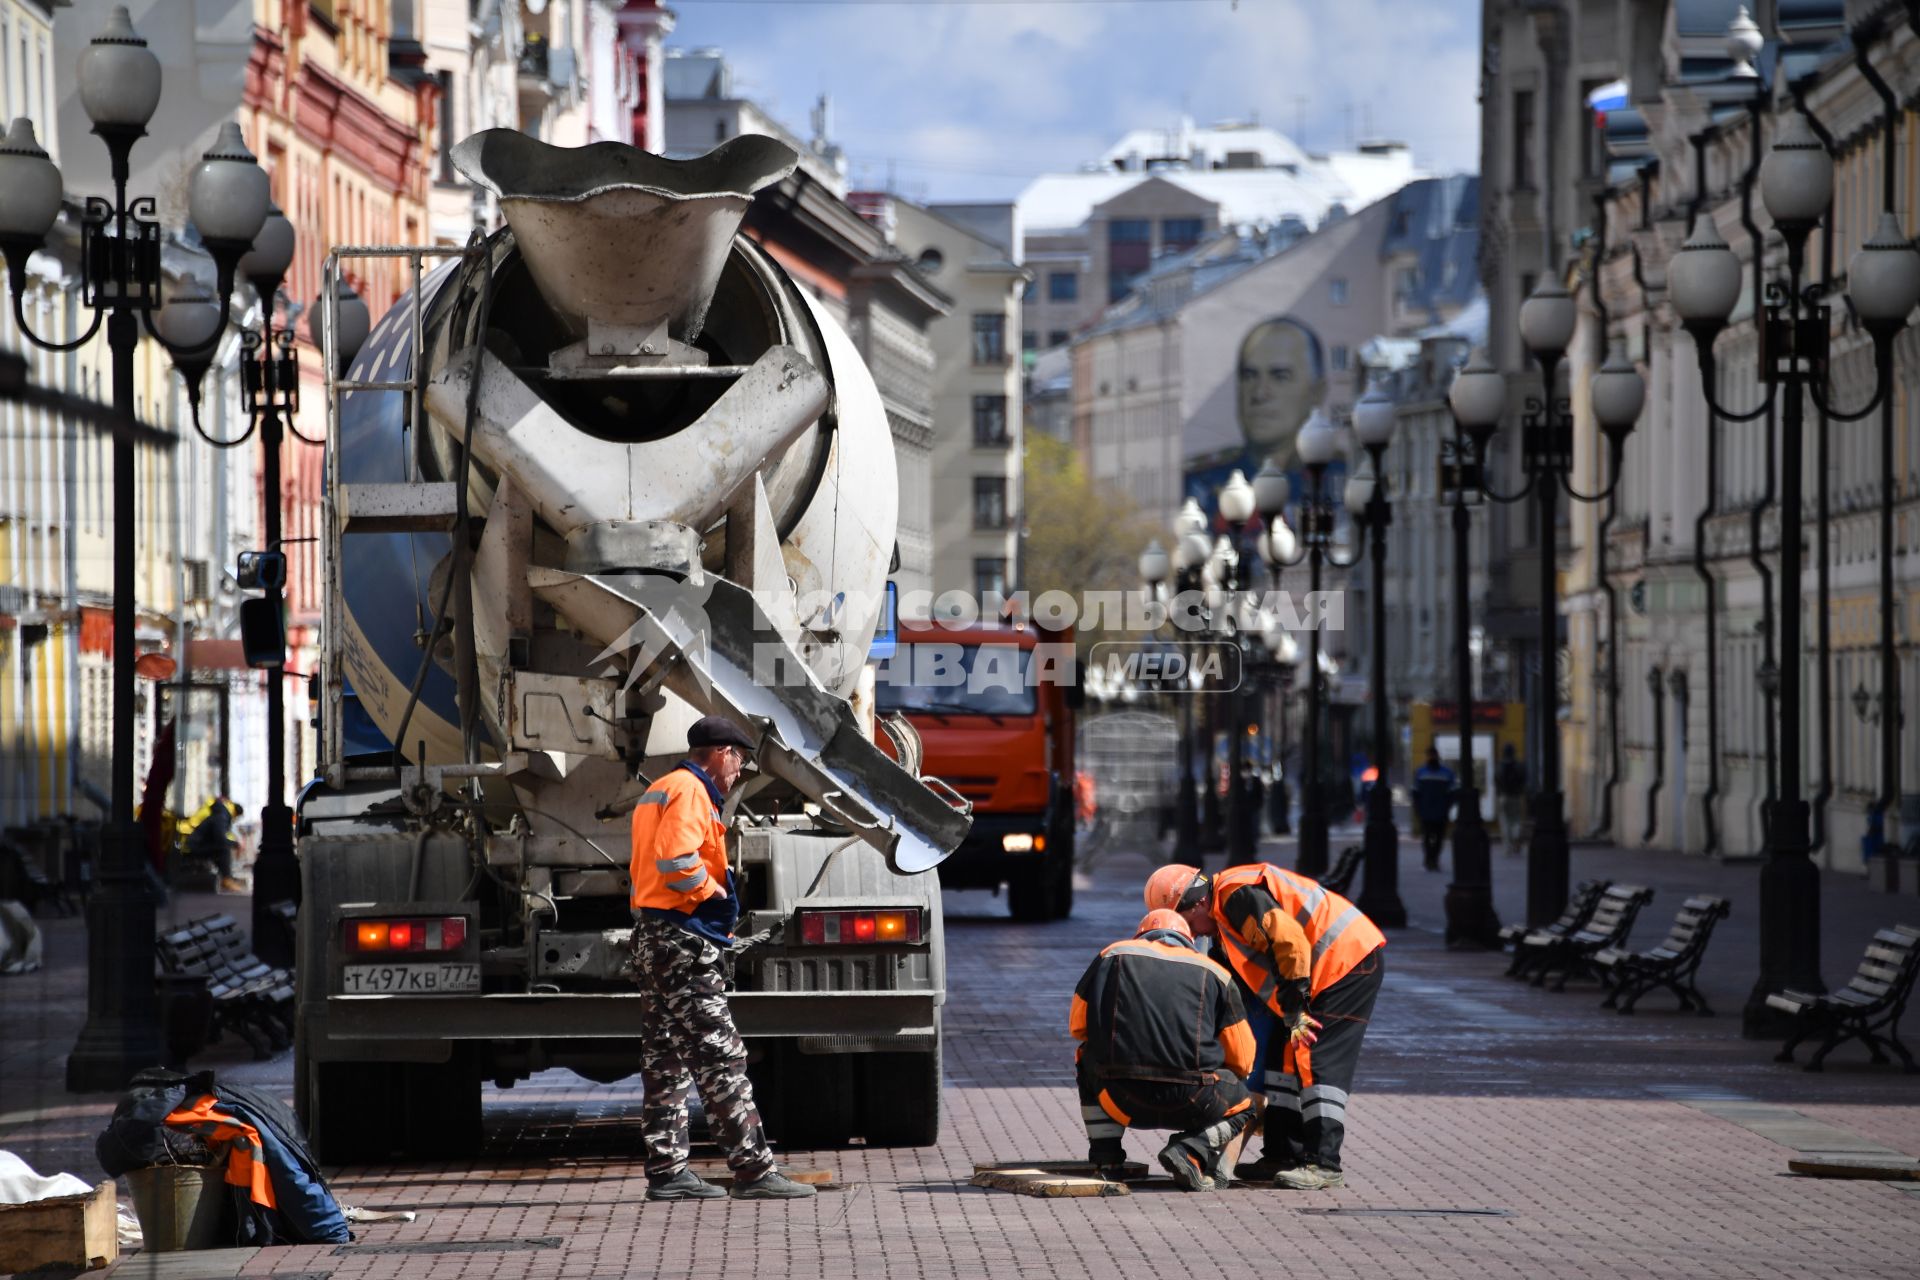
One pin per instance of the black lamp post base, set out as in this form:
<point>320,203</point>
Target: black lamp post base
<point>1548,876</point>
<point>1471,919</point>
<point>122,1031</point>
<point>1789,923</point>
<point>276,879</point>
<point>1186,825</point>
<point>1279,820</point>
<point>1311,859</point>
<point>1380,891</point>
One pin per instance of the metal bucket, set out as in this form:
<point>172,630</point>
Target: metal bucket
<point>179,1205</point>
<point>616,234</point>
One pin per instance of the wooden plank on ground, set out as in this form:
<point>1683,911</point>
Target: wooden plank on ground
<point>1130,1171</point>
<point>1039,1182</point>
<point>1888,1169</point>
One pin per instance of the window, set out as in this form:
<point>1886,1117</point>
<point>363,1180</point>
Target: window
<point>990,421</point>
<point>930,260</point>
<point>1029,340</point>
<point>1129,251</point>
<point>1337,291</point>
<point>990,503</point>
<point>1177,234</point>
<point>1409,282</point>
<point>990,576</point>
<point>1340,359</point>
<point>959,679</point>
<point>1523,140</point>
<point>1063,286</point>
<point>989,339</point>
<point>719,130</point>
<point>1056,337</point>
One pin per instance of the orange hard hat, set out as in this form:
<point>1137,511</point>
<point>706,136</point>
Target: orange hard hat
<point>1171,885</point>
<point>1162,918</point>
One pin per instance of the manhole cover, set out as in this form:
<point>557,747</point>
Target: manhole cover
<point>1411,1213</point>
<point>452,1246</point>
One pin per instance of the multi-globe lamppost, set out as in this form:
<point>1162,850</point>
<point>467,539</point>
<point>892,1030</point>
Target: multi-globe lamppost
<point>1883,287</point>
<point>1478,399</point>
<point>119,82</point>
<point>1374,417</point>
<point>1184,567</point>
<point>1318,444</point>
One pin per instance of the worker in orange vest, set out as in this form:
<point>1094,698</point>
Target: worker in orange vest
<point>684,909</point>
<point>1310,958</point>
<point>1164,1043</point>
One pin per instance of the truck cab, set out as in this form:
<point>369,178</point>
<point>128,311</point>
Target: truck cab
<point>994,706</point>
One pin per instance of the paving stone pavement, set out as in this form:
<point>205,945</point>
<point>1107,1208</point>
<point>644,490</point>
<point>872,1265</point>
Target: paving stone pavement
<point>1603,1146</point>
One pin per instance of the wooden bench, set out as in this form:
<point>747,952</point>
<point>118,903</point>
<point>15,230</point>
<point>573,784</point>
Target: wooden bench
<point>24,880</point>
<point>1572,955</point>
<point>1339,877</point>
<point>251,998</point>
<point>1867,1009</point>
<point>1579,910</point>
<point>1672,964</point>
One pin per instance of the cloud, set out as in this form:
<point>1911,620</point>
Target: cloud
<point>973,99</point>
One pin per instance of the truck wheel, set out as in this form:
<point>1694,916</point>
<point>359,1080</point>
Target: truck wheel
<point>805,1099</point>
<point>1032,892</point>
<point>902,1099</point>
<point>1063,891</point>
<point>442,1116</point>
<point>348,1108</point>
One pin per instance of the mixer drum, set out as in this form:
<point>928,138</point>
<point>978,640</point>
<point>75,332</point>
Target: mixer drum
<point>830,489</point>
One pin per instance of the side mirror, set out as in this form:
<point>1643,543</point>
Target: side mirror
<point>263,633</point>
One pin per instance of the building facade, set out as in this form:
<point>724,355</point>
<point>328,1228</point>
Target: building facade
<point>976,458</point>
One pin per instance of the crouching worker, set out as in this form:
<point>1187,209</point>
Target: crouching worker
<point>1164,1044</point>
<point>1314,965</point>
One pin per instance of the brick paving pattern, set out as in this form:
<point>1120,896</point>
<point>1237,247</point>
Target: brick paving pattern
<point>1594,1135</point>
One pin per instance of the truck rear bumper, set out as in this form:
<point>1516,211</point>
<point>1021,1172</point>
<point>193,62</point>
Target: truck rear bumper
<point>611,1016</point>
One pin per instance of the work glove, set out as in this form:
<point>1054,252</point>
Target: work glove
<point>1293,1012</point>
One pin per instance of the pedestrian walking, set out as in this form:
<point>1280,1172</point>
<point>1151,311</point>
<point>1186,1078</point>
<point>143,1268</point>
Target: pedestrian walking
<point>1311,965</point>
<point>1510,785</point>
<point>1164,1044</point>
<point>684,907</point>
<point>1433,797</point>
<point>213,839</point>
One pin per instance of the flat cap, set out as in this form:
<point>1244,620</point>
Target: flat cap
<point>718,731</point>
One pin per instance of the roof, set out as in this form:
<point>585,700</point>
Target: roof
<point>1057,202</point>
<point>1437,221</point>
<point>1204,147</point>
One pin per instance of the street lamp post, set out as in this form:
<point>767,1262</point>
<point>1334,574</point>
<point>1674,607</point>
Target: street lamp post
<point>1547,321</point>
<point>1367,498</point>
<point>1318,444</point>
<point>1883,283</point>
<point>119,82</point>
<point>1183,566</point>
<point>1236,508</point>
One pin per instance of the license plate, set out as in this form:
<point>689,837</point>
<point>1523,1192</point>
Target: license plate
<point>410,979</point>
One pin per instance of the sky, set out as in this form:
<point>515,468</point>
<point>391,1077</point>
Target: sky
<point>969,99</point>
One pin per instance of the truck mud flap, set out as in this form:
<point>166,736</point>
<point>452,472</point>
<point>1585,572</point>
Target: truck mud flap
<point>712,645</point>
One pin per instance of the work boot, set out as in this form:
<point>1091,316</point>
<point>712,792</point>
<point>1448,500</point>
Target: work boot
<point>1309,1177</point>
<point>1188,1169</point>
<point>1265,1169</point>
<point>684,1185</point>
<point>773,1185</point>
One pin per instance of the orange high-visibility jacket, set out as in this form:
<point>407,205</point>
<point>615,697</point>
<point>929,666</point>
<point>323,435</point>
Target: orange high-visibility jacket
<point>1286,928</point>
<point>679,845</point>
<point>1157,1010</point>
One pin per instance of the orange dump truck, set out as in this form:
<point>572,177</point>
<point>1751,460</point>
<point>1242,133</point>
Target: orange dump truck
<point>994,708</point>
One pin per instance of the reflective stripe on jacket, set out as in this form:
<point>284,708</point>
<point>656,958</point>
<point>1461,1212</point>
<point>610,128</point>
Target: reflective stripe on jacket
<point>1304,931</point>
<point>679,845</point>
<point>1154,1009</point>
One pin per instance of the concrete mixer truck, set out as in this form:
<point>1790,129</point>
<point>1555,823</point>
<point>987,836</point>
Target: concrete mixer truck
<point>590,478</point>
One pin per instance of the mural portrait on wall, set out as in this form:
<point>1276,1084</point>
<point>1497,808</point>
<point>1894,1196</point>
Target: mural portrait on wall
<point>1282,376</point>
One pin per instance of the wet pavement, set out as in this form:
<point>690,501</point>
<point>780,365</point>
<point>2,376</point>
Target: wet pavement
<point>1584,1143</point>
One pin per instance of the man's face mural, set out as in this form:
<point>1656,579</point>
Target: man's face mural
<point>1282,378</point>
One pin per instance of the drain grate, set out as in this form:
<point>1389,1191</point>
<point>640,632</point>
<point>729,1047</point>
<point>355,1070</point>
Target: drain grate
<point>1411,1213</point>
<point>452,1246</point>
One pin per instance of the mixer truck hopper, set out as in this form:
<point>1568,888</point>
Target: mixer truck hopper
<point>593,476</point>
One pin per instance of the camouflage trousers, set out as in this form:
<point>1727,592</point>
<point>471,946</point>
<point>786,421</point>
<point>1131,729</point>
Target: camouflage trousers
<point>691,1043</point>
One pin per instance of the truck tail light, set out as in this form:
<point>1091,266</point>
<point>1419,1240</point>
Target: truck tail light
<point>435,933</point>
<point>838,928</point>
